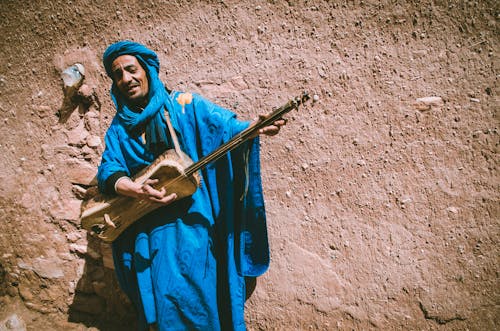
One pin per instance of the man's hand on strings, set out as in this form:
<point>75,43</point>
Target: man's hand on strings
<point>152,194</point>
<point>144,191</point>
<point>269,130</point>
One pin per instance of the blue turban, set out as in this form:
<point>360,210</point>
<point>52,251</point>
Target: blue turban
<point>142,53</point>
<point>151,119</point>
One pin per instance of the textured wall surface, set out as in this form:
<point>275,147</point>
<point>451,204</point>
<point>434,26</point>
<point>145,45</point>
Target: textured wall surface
<point>382,195</point>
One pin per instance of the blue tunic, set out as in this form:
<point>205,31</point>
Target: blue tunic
<point>184,265</point>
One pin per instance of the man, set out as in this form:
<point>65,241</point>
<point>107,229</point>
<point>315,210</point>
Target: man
<point>183,265</point>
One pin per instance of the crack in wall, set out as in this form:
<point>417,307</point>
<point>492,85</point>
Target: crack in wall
<point>438,319</point>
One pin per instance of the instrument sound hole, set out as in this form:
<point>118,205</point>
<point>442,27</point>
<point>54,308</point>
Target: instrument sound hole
<point>97,228</point>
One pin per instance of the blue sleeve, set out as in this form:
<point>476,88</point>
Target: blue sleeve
<point>220,124</point>
<point>236,187</point>
<point>112,161</point>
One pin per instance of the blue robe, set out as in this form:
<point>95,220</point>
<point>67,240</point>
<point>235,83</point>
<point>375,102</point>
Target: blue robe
<point>184,265</point>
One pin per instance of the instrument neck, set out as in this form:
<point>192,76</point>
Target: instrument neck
<point>246,134</point>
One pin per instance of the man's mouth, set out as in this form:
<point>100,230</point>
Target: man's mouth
<point>131,88</point>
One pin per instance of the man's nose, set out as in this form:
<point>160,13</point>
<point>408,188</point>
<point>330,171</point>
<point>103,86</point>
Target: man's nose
<point>127,77</point>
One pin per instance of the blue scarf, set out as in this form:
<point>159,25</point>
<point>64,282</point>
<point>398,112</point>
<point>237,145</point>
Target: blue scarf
<point>151,119</point>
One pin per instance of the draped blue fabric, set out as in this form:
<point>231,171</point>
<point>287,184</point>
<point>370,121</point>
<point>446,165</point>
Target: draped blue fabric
<point>184,265</point>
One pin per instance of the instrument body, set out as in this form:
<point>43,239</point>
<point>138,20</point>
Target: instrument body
<point>108,216</point>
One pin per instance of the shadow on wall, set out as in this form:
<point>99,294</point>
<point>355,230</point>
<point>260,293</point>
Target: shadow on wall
<point>98,301</point>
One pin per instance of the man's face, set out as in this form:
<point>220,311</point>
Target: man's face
<point>131,79</point>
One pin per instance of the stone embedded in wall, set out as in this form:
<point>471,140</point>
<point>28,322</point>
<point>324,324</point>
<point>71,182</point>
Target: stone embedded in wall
<point>86,92</point>
<point>427,103</point>
<point>79,192</point>
<point>80,172</point>
<point>328,286</point>
<point>417,54</point>
<point>72,77</point>
<point>41,110</point>
<point>61,149</point>
<point>85,250</point>
<point>92,122</point>
<point>93,141</point>
<point>13,323</point>
<point>239,83</point>
<point>77,136</point>
<point>67,209</point>
<point>25,293</point>
<point>50,267</point>
<point>223,90</point>
<point>73,236</point>
<point>78,249</point>
<point>89,154</point>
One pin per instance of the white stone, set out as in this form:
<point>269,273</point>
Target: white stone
<point>432,101</point>
<point>93,141</point>
<point>73,75</point>
<point>13,323</point>
<point>79,249</point>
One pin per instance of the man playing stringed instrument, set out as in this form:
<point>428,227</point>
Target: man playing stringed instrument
<point>183,265</point>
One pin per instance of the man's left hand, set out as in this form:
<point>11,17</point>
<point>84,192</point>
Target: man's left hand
<point>272,129</point>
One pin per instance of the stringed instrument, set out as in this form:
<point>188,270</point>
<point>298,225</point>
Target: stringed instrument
<point>108,216</point>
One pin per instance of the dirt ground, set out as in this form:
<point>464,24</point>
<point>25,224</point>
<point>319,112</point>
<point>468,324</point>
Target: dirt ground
<point>382,195</point>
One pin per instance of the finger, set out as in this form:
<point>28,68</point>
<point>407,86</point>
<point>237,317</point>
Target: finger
<point>280,122</point>
<point>270,130</point>
<point>157,194</point>
<point>151,192</point>
<point>165,200</point>
<point>151,181</point>
<point>261,118</point>
<point>145,189</point>
<point>264,116</point>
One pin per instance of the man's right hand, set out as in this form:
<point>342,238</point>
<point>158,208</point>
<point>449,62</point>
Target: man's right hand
<point>126,186</point>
